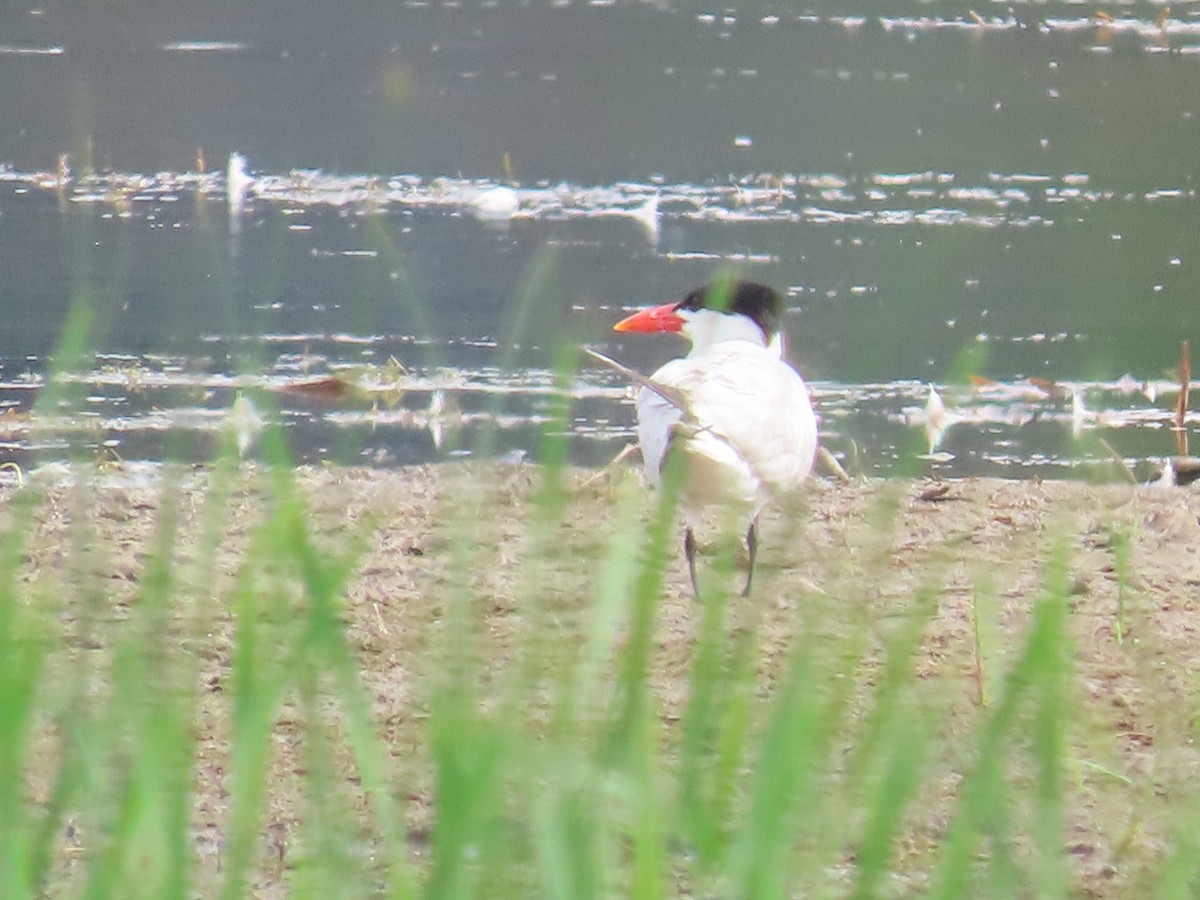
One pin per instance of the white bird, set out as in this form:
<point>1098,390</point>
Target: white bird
<point>739,414</point>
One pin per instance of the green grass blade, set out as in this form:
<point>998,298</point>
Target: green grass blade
<point>905,752</point>
<point>787,754</point>
<point>700,723</point>
<point>22,654</point>
<point>631,701</point>
<point>983,799</point>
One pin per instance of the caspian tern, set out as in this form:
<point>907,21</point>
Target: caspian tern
<point>738,412</point>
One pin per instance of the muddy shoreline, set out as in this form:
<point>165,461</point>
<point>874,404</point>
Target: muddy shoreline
<point>849,557</point>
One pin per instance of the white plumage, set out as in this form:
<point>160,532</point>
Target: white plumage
<point>753,433</point>
<point>749,432</point>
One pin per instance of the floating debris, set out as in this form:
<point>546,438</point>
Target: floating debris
<point>496,203</point>
<point>1179,471</point>
<point>328,387</point>
<point>1080,417</point>
<point>246,421</point>
<point>1181,403</point>
<point>934,417</point>
<point>926,198</point>
<point>238,184</point>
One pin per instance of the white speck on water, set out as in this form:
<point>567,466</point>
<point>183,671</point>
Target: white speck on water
<point>205,46</point>
<point>31,51</point>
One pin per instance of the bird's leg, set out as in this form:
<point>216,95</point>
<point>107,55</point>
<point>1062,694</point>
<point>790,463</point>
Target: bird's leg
<point>689,551</point>
<point>751,552</point>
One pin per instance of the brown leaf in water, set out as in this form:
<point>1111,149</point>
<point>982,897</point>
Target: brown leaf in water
<point>330,387</point>
<point>1051,387</point>
<point>1105,32</point>
<point>11,420</point>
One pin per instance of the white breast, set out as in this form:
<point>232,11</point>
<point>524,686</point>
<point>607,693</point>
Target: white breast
<point>751,433</point>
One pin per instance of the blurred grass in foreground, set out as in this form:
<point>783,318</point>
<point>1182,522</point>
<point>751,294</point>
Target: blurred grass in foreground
<point>480,680</point>
<point>472,681</point>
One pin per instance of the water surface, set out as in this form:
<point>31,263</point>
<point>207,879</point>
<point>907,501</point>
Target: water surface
<point>467,187</point>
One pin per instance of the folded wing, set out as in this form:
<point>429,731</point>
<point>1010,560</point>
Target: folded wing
<point>749,421</point>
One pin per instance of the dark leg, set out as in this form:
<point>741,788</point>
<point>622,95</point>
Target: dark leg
<point>689,551</point>
<point>751,552</point>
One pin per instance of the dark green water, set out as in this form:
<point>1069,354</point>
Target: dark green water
<point>1009,191</point>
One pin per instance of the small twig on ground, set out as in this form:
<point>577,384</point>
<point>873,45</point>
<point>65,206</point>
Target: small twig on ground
<point>379,619</point>
<point>981,694</point>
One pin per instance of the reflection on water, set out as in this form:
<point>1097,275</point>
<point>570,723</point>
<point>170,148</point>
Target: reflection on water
<point>346,396</point>
<point>940,193</point>
<point>137,408</point>
<point>909,198</point>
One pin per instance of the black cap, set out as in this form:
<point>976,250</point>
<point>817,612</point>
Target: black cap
<point>755,301</point>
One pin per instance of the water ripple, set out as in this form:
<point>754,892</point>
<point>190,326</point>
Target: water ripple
<point>887,198</point>
<point>135,405</point>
